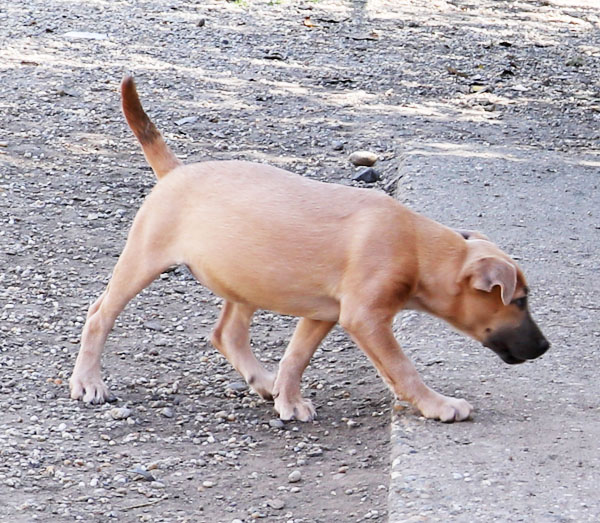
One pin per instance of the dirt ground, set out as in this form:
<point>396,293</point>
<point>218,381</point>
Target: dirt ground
<point>296,84</point>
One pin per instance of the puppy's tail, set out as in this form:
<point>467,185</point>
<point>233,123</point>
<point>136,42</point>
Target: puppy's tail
<point>157,152</point>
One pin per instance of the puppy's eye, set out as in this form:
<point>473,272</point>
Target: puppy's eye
<point>520,302</point>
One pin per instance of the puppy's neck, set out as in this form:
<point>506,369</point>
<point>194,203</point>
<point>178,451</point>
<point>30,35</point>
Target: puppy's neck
<point>441,254</point>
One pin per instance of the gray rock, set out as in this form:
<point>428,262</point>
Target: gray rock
<point>186,120</point>
<point>142,473</point>
<point>238,386</point>
<point>276,423</point>
<point>368,175</point>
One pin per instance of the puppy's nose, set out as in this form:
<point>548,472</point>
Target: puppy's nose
<point>543,345</point>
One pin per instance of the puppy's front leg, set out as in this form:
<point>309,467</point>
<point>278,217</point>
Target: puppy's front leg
<point>289,402</point>
<point>376,338</point>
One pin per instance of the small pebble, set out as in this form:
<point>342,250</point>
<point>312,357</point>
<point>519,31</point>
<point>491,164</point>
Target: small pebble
<point>277,504</point>
<point>120,413</point>
<point>362,158</point>
<point>153,326</point>
<point>221,414</point>
<point>167,412</point>
<point>294,476</point>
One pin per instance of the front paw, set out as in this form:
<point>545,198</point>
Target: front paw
<point>90,389</point>
<point>446,409</point>
<point>298,408</point>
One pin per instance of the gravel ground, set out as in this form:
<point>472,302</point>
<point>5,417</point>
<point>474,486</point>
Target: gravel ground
<point>299,85</point>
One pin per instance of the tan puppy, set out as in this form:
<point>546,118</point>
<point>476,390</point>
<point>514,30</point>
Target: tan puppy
<point>263,238</point>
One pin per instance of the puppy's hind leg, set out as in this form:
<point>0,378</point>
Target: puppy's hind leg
<point>289,402</point>
<point>133,272</point>
<point>231,337</point>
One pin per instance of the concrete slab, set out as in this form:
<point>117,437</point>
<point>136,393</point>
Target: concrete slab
<point>531,452</point>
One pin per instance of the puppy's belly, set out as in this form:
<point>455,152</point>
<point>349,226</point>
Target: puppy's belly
<point>273,295</point>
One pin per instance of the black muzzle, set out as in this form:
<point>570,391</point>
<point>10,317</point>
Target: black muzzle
<point>516,345</point>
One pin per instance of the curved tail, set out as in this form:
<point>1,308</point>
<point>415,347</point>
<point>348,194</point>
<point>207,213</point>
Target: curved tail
<point>157,152</point>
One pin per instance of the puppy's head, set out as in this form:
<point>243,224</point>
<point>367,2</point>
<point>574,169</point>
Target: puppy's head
<point>492,304</point>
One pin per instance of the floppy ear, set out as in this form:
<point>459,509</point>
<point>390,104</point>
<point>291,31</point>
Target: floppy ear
<point>490,271</point>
